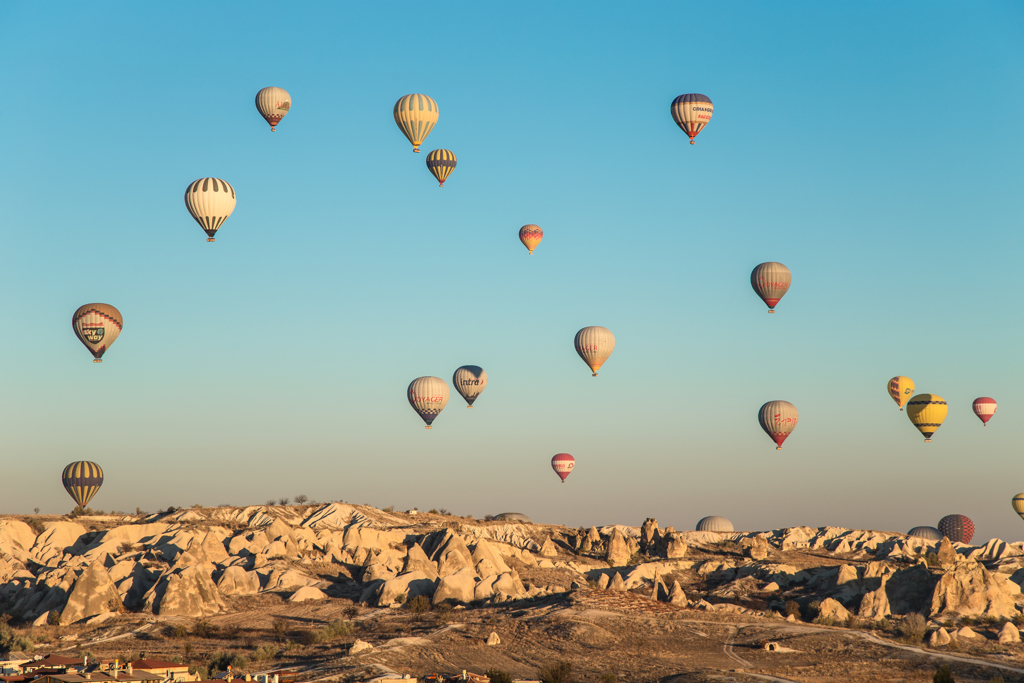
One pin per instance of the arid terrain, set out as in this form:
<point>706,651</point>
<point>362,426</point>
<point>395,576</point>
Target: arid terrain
<point>346,592</point>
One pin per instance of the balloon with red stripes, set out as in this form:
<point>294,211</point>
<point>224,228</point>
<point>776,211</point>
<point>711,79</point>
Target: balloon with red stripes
<point>562,464</point>
<point>957,528</point>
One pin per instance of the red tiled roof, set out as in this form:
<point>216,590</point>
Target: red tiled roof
<point>156,664</point>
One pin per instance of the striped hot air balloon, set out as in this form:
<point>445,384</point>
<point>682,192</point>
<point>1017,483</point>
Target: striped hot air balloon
<point>692,112</point>
<point>97,326</point>
<point>210,201</point>
<point>957,528</point>
<point>715,523</point>
<point>441,163</point>
<point>927,412</point>
<point>562,464</point>
<point>428,396</point>
<point>901,389</point>
<point>273,105</point>
<point>778,419</point>
<point>771,281</point>
<point>416,116</point>
<point>984,408</point>
<point>82,480</point>
<point>595,345</point>
<point>1018,504</point>
<point>470,381</point>
<point>530,235</point>
<point>929,533</point>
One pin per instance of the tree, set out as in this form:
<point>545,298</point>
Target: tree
<point>943,675</point>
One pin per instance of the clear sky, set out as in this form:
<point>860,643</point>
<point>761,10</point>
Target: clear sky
<point>874,148</point>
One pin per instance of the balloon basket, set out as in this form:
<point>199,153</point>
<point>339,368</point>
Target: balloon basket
<point>594,375</point>
<point>770,310</point>
<point>97,360</point>
<point>210,239</point>
<point>416,149</point>
<point>428,427</point>
<point>927,440</point>
<point>778,448</point>
<point>691,141</point>
<point>470,407</point>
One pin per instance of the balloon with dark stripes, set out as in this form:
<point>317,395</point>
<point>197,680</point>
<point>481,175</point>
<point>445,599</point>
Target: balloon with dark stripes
<point>441,163</point>
<point>82,480</point>
<point>957,528</point>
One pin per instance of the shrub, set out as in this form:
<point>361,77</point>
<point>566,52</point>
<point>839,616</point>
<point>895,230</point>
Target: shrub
<point>881,625</point>
<point>35,524</point>
<point>280,628</point>
<point>824,621</point>
<point>125,548</point>
<point>36,510</point>
<point>339,628</point>
<point>967,621</point>
<point>488,518</point>
<point>264,652</point>
<point>432,511</point>
<point>932,559</point>
<point>301,499</point>
<point>389,509</point>
<point>283,501</point>
<point>608,678</point>
<point>419,604</point>
<point>813,609</point>
<point>498,676</point>
<point>559,672</point>
<point>204,675</point>
<point>443,511</point>
<point>943,675</point>
<point>178,631</point>
<point>309,637</point>
<point>352,611</point>
<point>793,608</point>
<point>204,629</point>
<point>913,627</point>
<point>53,618</point>
<point>270,502</point>
<point>220,661</point>
<point>996,679</point>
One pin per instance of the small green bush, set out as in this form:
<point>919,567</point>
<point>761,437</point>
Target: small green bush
<point>943,675</point>
<point>498,676</point>
<point>881,625</point>
<point>339,628</point>
<point>559,672</point>
<point>265,652</point>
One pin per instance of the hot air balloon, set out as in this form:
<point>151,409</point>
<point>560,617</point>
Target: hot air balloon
<point>82,480</point>
<point>929,533</point>
<point>778,419</point>
<point>1018,504</point>
<point>428,396</point>
<point>927,411</point>
<point>957,528</point>
<point>530,235</point>
<point>210,201</point>
<point>441,163</point>
<point>273,105</point>
<point>562,464</point>
<point>595,344</point>
<point>97,326</point>
<point>901,389</point>
<point>416,116</point>
<point>771,281</point>
<point>692,112</point>
<point>984,408</point>
<point>714,523</point>
<point>470,381</point>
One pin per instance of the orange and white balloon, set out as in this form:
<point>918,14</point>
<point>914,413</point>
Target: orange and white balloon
<point>562,464</point>
<point>771,281</point>
<point>595,345</point>
<point>273,105</point>
<point>428,396</point>
<point>210,201</point>
<point>984,408</point>
<point>97,326</point>
<point>530,235</point>
<point>778,419</point>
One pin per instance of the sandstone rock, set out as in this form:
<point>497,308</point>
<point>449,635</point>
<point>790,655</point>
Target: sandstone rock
<point>409,584</point>
<point>675,546</point>
<point>287,580</point>
<point>877,569</point>
<point>60,537</point>
<point>967,632</point>
<point>791,618</point>
<point>450,553</point>
<point>758,548</point>
<point>593,536</point>
<point>970,589</point>
<point>509,586</point>
<point>847,574</point>
<point>618,551</point>
<point>770,588</point>
<point>831,609</point>
<point>307,593</point>
<point>493,639</point>
<point>602,582</point>
<point>649,535</point>
<point>359,647</point>
<point>939,638</point>
<point>458,587</point>
<point>333,516</point>
<point>237,581</point>
<point>187,592</point>
<point>947,556</point>
<point>676,596</point>
<point>93,593</point>
<point>548,549</point>
<point>585,545</point>
<point>617,584</point>
<point>16,539</point>
<point>875,604</point>
<point>485,551</point>
<point>1009,633</point>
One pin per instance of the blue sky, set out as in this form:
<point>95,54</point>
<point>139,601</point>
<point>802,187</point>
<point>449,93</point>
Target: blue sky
<point>874,149</point>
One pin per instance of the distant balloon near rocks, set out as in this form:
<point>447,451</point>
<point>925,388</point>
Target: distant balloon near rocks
<point>562,464</point>
<point>928,533</point>
<point>957,528</point>
<point>713,523</point>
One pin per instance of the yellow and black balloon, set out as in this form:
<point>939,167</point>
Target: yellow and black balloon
<point>441,163</point>
<point>82,480</point>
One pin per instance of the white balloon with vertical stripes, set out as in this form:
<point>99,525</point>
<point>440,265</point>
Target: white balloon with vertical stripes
<point>210,201</point>
<point>273,104</point>
<point>428,396</point>
<point>595,345</point>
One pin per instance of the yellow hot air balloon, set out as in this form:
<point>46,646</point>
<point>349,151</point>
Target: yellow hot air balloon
<point>416,116</point>
<point>1018,504</point>
<point>97,326</point>
<point>927,412</point>
<point>441,163</point>
<point>901,389</point>
<point>595,344</point>
<point>210,201</point>
<point>530,235</point>
<point>273,105</point>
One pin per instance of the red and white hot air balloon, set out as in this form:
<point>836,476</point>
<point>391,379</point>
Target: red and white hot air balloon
<point>562,464</point>
<point>984,408</point>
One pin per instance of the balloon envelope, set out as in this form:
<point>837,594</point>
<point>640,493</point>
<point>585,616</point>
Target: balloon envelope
<point>562,464</point>
<point>594,345</point>
<point>470,381</point>
<point>957,528</point>
<point>441,163</point>
<point>692,112</point>
<point>984,408</point>
<point>778,419</point>
<point>210,201</point>
<point>530,235</point>
<point>416,116</point>
<point>928,533</point>
<point>1018,504</point>
<point>273,105</point>
<point>901,389</point>
<point>97,326</point>
<point>927,412</point>
<point>771,281</point>
<point>714,523</point>
<point>82,480</point>
<point>428,396</point>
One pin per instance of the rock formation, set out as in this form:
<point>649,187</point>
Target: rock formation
<point>967,588</point>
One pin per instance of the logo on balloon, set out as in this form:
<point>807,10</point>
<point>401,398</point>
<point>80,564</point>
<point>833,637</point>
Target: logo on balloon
<point>93,335</point>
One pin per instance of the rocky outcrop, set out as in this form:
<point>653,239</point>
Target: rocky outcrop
<point>237,581</point>
<point>187,592</point>
<point>406,586</point>
<point>875,604</point>
<point>947,556</point>
<point>306,594</point>
<point>93,593</point>
<point>618,551</point>
<point>457,587</point>
<point>939,638</point>
<point>1009,634</point>
<point>832,609</point>
<point>675,546</point>
<point>967,588</point>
